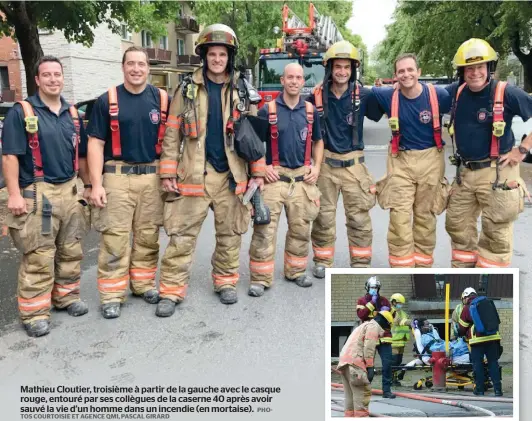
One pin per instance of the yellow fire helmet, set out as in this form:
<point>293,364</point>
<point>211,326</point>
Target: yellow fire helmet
<point>342,49</point>
<point>474,51</point>
<point>388,316</point>
<point>398,297</point>
<point>216,34</point>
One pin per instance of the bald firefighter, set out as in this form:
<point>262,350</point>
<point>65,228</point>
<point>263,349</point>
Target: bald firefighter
<point>294,137</point>
<point>200,170</point>
<point>368,307</point>
<point>414,188</point>
<point>488,182</point>
<point>41,157</point>
<point>400,333</point>
<point>342,105</point>
<point>357,363</point>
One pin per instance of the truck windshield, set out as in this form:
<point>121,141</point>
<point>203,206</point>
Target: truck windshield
<point>271,70</point>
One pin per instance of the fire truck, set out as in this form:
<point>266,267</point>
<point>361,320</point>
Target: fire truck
<point>300,43</point>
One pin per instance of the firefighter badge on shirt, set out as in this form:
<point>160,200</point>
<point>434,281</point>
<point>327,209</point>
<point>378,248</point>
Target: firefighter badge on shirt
<point>303,133</point>
<point>425,116</point>
<point>155,117</point>
<point>482,115</point>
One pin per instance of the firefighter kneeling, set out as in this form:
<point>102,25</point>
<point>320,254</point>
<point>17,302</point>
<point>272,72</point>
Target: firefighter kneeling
<point>357,363</point>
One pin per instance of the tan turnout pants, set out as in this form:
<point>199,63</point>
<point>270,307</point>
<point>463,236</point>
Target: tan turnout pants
<point>357,392</point>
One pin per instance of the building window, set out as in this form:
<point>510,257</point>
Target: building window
<point>180,47</point>
<point>124,33</point>
<point>4,78</point>
<point>146,39</point>
<point>163,43</point>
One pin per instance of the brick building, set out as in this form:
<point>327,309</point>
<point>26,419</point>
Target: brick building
<point>10,80</point>
<point>425,296</point>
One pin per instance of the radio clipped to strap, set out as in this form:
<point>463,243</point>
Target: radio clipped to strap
<point>499,124</point>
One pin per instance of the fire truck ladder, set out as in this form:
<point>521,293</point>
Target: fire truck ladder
<point>317,36</point>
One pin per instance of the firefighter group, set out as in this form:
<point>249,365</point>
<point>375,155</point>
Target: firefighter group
<point>149,161</point>
<point>385,328</point>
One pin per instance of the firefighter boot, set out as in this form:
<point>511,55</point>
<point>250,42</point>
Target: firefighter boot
<point>498,391</point>
<point>319,271</point>
<point>388,395</point>
<point>256,290</point>
<point>111,310</point>
<point>228,295</point>
<point>151,296</point>
<point>301,281</point>
<point>165,308</point>
<point>78,308</point>
<point>37,328</point>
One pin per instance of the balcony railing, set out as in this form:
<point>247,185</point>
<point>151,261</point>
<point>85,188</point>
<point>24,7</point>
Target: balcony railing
<point>187,25</point>
<point>188,60</point>
<point>157,56</point>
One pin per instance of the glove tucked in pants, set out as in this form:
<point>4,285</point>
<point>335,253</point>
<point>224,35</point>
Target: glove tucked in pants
<point>301,203</point>
<point>134,205</point>
<point>50,244</point>
<point>415,192</point>
<point>356,185</point>
<point>183,219</point>
<point>499,209</point>
<point>357,392</point>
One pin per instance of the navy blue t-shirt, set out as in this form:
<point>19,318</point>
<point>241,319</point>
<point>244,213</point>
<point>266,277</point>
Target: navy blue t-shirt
<point>56,140</point>
<point>338,127</point>
<point>415,115</point>
<point>138,116</point>
<point>474,119</point>
<point>292,127</point>
<point>214,142</point>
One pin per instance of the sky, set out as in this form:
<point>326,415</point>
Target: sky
<point>369,18</point>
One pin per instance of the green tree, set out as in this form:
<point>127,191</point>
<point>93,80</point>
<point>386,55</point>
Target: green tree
<point>77,20</point>
<point>435,29</point>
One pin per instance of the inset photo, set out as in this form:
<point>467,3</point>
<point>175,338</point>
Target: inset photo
<point>422,343</point>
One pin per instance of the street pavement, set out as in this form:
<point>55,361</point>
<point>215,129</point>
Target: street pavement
<point>276,340</point>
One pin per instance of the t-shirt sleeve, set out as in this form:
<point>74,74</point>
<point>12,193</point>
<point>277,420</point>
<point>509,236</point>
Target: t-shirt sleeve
<point>444,100</point>
<point>316,127</point>
<point>99,120</point>
<point>83,140</point>
<point>381,95</point>
<point>518,101</point>
<point>14,136</point>
<point>373,110</point>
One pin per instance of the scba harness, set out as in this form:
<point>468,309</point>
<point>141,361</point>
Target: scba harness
<point>394,119</point>
<point>32,130</point>
<point>498,127</point>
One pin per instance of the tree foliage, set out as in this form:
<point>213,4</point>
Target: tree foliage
<point>435,29</point>
<point>77,20</point>
<point>254,22</point>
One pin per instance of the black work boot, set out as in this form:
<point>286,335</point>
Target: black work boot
<point>478,392</point>
<point>37,328</point>
<point>256,290</point>
<point>228,296</point>
<point>498,390</point>
<point>318,271</point>
<point>78,308</point>
<point>151,296</point>
<point>396,382</point>
<point>111,310</point>
<point>165,308</point>
<point>301,281</point>
<point>388,395</point>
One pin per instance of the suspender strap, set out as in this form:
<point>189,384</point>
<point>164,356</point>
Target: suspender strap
<point>162,124</point>
<point>355,100</point>
<point>310,121</point>
<point>498,119</point>
<point>113,117</point>
<point>75,119</point>
<point>32,128</point>
<point>435,109</point>
<point>274,131</point>
<point>393,121</point>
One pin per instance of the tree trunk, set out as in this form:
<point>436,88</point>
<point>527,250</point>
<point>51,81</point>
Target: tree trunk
<point>27,34</point>
<point>525,59</point>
